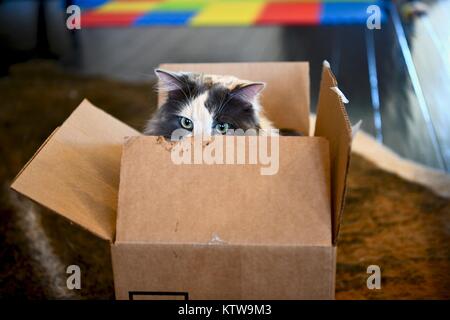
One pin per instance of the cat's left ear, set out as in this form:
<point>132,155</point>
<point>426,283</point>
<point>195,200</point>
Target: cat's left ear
<point>249,92</point>
<point>169,80</point>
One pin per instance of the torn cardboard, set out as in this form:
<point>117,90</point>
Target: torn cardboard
<point>206,231</point>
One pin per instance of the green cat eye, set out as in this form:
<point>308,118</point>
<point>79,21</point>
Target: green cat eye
<point>222,127</point>
<point>186,123</point>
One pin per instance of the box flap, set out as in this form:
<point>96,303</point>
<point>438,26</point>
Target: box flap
<point>76,171</point>
<point>164,202</point>
<point>286,96</point>
<point>332,123</point>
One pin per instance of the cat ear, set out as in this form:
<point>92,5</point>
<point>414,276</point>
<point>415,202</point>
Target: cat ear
<point>248,92</point>
<point>168,80</point>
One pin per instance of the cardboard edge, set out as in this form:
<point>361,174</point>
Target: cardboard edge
<point>308,122</point>
<point>343,196</point>
<point>330,84</point>
<point>112,252</point>
<point>33,157</point>
<point>126,144</point>
<point>342,100</point>
<point>82,104</point>
<point>333,273</point>
<point>95,233</point>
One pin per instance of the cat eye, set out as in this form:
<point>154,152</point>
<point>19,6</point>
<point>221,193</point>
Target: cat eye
<point>186,123</point>
<point>222,127</point>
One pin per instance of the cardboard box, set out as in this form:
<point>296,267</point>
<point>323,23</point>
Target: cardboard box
<point>206,231</point>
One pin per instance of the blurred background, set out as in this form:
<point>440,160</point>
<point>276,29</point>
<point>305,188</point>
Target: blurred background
<point>391,59</point>
<point>396,75</point>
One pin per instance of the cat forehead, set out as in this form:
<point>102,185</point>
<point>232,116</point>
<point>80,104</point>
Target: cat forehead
<point>209,80</point>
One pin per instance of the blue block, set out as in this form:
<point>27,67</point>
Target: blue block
<point>348,13</point>
<point>165,18</point>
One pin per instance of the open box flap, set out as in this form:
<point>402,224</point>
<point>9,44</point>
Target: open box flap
<point>332,123</point>
<point>286,97</point>
<point>76,171</point>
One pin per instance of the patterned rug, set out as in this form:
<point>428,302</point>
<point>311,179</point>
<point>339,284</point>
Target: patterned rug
<point>107,13</point>
<point>398,225</point>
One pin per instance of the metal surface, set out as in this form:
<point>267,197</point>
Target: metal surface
<point>416,83</point>
<point>373,79</point>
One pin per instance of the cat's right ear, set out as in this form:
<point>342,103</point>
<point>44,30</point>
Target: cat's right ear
<point>168,81</point>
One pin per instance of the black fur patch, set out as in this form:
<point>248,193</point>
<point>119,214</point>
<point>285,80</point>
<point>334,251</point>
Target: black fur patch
<point>230,109</point>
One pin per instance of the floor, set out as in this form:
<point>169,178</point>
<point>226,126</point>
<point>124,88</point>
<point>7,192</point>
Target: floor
<point>411,117</point>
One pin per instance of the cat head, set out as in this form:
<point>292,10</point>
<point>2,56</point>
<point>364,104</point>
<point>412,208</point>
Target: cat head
<point>205,104</point>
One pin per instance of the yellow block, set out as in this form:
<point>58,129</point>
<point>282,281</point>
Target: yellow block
<point>228,13</point>
<point>126,7</point>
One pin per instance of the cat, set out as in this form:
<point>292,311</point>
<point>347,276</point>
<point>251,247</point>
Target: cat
<point>207,105</point>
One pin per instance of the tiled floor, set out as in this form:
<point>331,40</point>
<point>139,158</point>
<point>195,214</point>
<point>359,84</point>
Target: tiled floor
<point>132,53</point>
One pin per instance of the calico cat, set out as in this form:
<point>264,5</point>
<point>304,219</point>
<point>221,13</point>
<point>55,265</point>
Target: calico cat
<point>207,105</point>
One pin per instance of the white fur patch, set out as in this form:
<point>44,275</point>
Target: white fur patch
<point>196,111</point>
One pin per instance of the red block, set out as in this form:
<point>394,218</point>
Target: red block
<point>290,13</point>
<point>98,19</point>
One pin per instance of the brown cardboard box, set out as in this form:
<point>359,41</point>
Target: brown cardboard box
<point>206,231</point>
